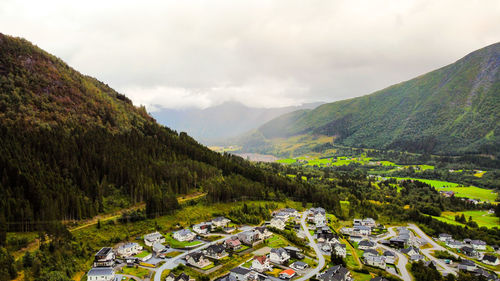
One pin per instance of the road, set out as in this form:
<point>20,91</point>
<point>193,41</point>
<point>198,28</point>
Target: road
<point>402,260</point>
<point>319,255</point>
<point>435,247</point>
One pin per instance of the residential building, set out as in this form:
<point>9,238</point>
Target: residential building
<point>261,264</point>
<point>202,228</point>
<point>361,230</point>
<point>355,238</point>
<point>278,223</point>
<point>287,274</point>
<point>227,277</point>
<point>365,222</point>
<point>299,265</point>
<point>335,273</point>
<point>454,244</point>
<point>262,233</point>
<point>467,265</point>
<point>340,249</point>
<point>155,237</point>
<point>410,251</point>
<point>478,245</point>
<point>220,222</point>
<point>215,251</point>
<point>415,258</point>
<point>105,257</point>
<point>158,248</point>
<point>128,249</point>
<point>469,251</point>
<point>295,253</point>
<point>317,216</point>
<point>490,259</point>
<point>279,256</point>
<point>281,215</point>
<point>378,278</point>
<point>101,274</point>
<point>241,273</point>
<point>248,237</point>
<point>184,235</point>
<point>390,257</point>
<point>370,252</point>
<point>444,236</point>
<point>233,243</point>
<point>366,244</point>
<point>377,261</point>
<point>181,277</point>
<point>197,260</point>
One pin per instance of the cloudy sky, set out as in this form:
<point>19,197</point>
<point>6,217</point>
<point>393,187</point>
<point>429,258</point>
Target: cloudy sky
<point>265,53</point>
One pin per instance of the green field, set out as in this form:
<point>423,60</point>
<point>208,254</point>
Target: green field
<point>179,244</point>
<point>135,271</point>
<point>482,218</point>
<point>142,254</point>
<point>471,192</point>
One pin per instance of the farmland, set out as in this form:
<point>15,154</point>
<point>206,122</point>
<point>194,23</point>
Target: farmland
<point>482,218</point>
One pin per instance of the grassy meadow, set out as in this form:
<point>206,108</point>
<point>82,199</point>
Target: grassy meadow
<point>482,218</point>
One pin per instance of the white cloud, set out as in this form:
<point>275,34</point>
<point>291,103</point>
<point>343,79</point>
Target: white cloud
<point>262,53</point>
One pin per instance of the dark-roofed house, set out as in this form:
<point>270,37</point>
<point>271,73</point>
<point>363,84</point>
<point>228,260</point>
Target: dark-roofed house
<point>197,260</point>
<point>377,261</point>
<point>390,257</point>
<point>410,251</point>
<point>299,265</point>
<point>279,256</point>
<point>151,238</point>
<point>415,258</point>
<point>215,251</point>
<point>220,222</point>
<point>335,273</point>
<point>240,273</point>
<point>370,252</point>
<point>478,245</point>
<point>486,274</point>
<point>467,265</point>
<point>184,235</point>
<point>182,277</point>
<point>294,252</point>
<point>366,244</point>
<point>398,243</point>
<point>128,249</point>
<point>101,274</point>
<point>469,251</point>
<point>378,278</point>
<point>105,257</point>
<point>490,259</point>
<point>227,277</point>
<point>158,248</point>
<point>444,236</point>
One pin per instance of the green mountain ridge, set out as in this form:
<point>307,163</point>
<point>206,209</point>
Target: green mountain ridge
<point>71,147</point>
<point>452,110</point>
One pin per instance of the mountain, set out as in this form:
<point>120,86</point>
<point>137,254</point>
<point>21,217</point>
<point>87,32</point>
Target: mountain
<point>71,147</point>
<point>452,110</point>
<point>215,124</point>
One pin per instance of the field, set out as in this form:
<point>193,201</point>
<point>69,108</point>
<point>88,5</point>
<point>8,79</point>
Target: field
<point>482,218</point>
<point>135,271</point>
<point>142,254</point>
<point>460,191</point>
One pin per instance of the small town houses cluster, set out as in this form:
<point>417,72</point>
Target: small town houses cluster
<point>267,263</point>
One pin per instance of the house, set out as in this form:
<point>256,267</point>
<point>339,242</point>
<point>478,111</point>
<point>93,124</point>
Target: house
<point>229,229</point>
<point>295,253</point>
<point>490,259</point>
<point>197,260</point>
<point>279,256</point>
<point>467,265</point>
<point>291,212</point>
<point>241,273</point>
<point>248,237</point>
<point>398,242</point>
<point>366,244</point>
<point>105,257</point>
<point>478,245</point>
<point>227,277</point>
<point>261,264</point>
<point>324,234</point>
<point>415,258</point>
<point>377,261</point>
<point>220,222</point>
<point>233,243</point>
<point>184,235</point>
<point>355,238</point>
<point>215,251</point>
<point>325,247</point>
<point>181,277</point>
<point>370,252</point>
<point>155,237</point>
<point>158,248</point>
<point>278,223</point>
<point>340,249</point>
<point>287,274</point>
<point>410,251</point>
<point>378,278</point>
<point>281,215</point>
<point>335,273</point>
<point>454,244</point>
<point>101,274</point>
<point>361,230</point>
<point>202,228</point>
<point>317,216</point>
<point>299,265</point>
<point>469,251</point>
<point>486,274</point>
<point>364,222</point>
<point>128,249</point>
<point>390,257</point>
<point>262,233</point>
<point>444,236</point>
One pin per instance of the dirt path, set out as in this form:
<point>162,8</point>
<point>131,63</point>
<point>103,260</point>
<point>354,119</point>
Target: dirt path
<point>107,217</point>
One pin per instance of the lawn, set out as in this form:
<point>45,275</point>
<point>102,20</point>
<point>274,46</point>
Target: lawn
<point>358,276</point>
<point>142,254</point>
<point>276,241</point>
<point>135,271</point>
<point>172,254</point>
<point>180,244</point>
<point>287,161</point>
<point>482,218</point>
<point>471,192</point>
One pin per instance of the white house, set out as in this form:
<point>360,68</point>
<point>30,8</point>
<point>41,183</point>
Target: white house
<point>478,245</point>
<point>454,244</point>
<point>278,223</point>
<point>376,261</point>
<point>105,257</point>
<point>279,256</point>
<point>317,216</point>
<point>340,249</point>
<point>366,244</point>
<point>261,264</point>
<point>197,260</point>
<point>490,259</point>
<point>390,257</point>
<point>202,228</point>
<point>361,230</point>
<point>128,249</point>
<point>101,274</point>
<point>155,237</point>
<point>184,235</point>
<point>158,248</point>
<point>220,222</point>
<point>444,236</point>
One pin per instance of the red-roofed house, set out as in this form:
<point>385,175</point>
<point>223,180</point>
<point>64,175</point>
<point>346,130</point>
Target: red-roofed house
<point>287,274</point>
<point>261,264</point>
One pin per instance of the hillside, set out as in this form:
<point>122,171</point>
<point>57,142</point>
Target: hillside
<point>213,125</point>
<point>452,110</point>
<point>71,147</point>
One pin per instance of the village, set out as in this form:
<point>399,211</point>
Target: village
<point>245,253</point>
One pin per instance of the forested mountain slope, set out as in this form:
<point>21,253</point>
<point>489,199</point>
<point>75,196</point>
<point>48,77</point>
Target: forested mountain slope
<point>72,147</point>
<point>452,110</point>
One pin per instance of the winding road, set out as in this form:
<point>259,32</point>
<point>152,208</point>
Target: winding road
<point>319,255</point>
<point>402,260</point>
